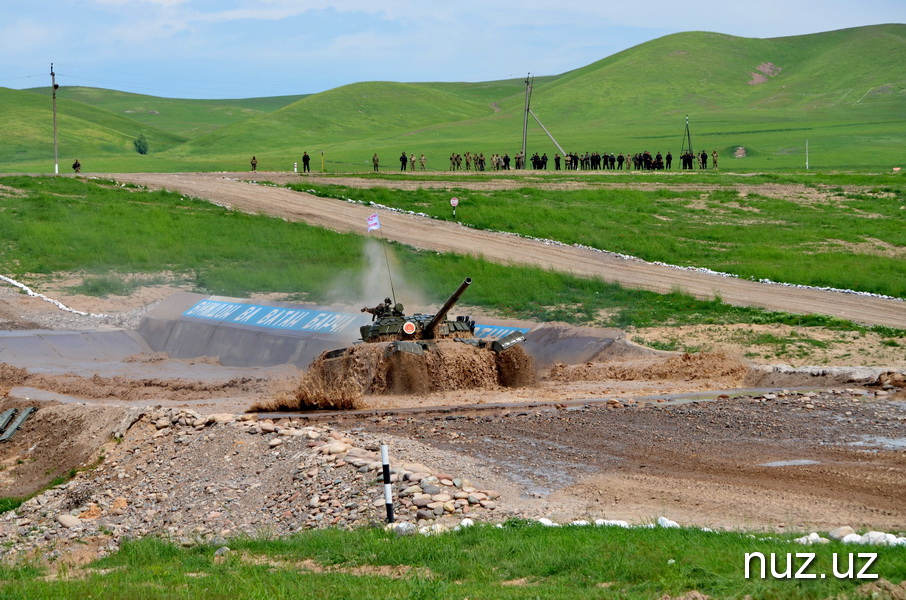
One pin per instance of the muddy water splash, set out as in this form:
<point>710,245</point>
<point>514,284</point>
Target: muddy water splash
<point>375,369</point>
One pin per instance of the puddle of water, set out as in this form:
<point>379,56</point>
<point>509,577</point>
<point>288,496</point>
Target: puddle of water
<point>30,393</point>
<point>878,441</point>
<point>790,463</point>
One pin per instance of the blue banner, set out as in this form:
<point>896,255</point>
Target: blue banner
<point>272,317</point>
<point>495,331</point>
<point>302,319</point>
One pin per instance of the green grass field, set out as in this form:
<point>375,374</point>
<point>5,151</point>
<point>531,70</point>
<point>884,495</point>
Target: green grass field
<point>55,225</point>
<point>520,560</point>
<point>841,94</point>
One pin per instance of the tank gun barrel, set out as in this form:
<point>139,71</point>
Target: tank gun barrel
<point>442,313</point>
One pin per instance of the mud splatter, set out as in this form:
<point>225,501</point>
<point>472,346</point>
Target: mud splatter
<point>375,369</point>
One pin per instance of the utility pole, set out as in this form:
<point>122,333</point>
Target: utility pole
<point>53,83</point>
<point>529,81</point>
<point>687,137</point>
<point>528,96</point>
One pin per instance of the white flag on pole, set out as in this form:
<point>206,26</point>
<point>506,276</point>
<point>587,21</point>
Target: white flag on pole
<point>373,222</point>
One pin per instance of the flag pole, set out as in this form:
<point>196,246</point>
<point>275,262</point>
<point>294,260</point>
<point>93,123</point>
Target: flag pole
<point>374,222</point>
<point>387,260</point>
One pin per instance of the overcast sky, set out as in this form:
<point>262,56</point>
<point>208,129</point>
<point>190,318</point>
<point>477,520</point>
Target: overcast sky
<point>245,48</point>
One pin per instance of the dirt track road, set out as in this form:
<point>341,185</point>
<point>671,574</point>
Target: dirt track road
<point>231,190</point>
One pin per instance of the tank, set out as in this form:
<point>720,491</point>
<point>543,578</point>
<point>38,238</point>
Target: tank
<point>412,333</point>
<point>418,353</point>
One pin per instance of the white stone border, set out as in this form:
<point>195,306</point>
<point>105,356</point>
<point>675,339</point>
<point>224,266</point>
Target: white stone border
<point>56,303</point>
<point>845,535</point>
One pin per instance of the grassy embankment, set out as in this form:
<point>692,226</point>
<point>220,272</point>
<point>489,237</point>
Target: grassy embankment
<point>853,241</point>
<point>520,560</point>
<point>109,232</point>
<point>839,92</point>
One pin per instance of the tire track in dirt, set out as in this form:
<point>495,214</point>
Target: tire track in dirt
<point>441,236</point>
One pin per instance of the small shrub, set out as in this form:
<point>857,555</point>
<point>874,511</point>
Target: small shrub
<point>141,144</point>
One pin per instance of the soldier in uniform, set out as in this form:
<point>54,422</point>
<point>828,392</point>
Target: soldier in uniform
<point>375,162</point>
<point>381,310</point>
<point>254,163</point>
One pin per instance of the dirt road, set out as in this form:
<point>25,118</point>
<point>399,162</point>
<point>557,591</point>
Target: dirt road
<point>232,190</point>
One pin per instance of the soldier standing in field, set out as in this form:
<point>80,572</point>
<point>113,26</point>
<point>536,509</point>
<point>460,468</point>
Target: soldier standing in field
<point>254,163</point>
<point>412,162</point>
<point>422,160</point>
<point>714,159</point>
<point>375,161</point>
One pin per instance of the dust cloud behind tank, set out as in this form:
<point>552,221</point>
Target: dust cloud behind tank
<point>419,353</point>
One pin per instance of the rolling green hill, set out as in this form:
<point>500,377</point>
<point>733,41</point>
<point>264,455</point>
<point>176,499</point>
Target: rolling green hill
<point>842,92</point>
<point>185,118</point>
<point>83,131</point>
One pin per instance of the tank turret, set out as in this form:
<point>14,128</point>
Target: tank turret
<point>394,325</point>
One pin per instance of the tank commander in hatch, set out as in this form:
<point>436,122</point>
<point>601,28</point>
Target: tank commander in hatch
<point>381,310</point>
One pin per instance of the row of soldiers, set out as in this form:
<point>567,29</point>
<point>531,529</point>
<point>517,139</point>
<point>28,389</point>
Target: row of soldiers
<point>641,161</point>
<point>404,161</point>
<point>480,163</point>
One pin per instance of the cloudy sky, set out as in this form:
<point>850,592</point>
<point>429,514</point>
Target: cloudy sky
<point>246,48</point>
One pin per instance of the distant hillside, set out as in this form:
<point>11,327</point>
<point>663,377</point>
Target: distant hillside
<point>26,122</point>
<point>842,92</point>
<point>185,118</point>
<point>361,111</point>
<point>697,72</point>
